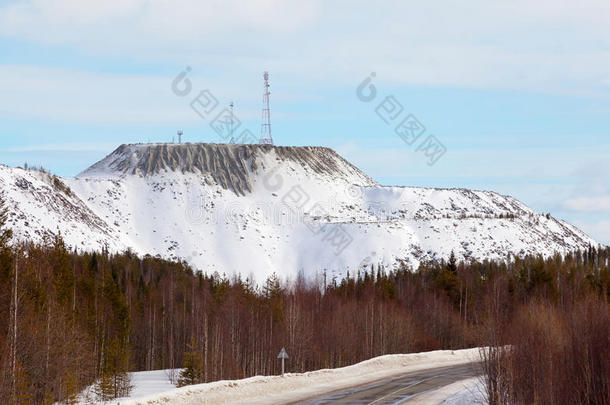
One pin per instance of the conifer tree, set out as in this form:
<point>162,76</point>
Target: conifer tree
<point>193,365</point>
<point>114,381</point>
<point>272,286</point>
<point>71,389</point>
<point>64,277</point>
<point>48,398</point>
<point>5,237</point>
<point>5,234</point>
<point>452,265</point>
<point>21,392</point>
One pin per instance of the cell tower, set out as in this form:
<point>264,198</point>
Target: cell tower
<point>266,138</point>
<point>180,136</point>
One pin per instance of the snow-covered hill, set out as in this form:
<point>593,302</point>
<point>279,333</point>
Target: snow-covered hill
<point>258,209</point>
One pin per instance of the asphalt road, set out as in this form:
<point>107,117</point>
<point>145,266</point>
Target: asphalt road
<point>399,389</point>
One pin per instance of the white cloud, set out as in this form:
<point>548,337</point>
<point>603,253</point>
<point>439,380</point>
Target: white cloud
<point>600,230</point>
<point>78,96</point>
<point>547,45</point>
<point>102,98</point>
<point>389,156</point>
<point>138,21</point>
<point>589,204</point>
<point>63,147</point>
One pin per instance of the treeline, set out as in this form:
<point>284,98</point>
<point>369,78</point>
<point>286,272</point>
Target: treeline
<point>69,319</point>
<point>551,345</point>
<point>550,355</point>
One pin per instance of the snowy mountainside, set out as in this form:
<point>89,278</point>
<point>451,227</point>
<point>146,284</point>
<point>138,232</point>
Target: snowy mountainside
<point>41,206</point>
<point>258,209</point>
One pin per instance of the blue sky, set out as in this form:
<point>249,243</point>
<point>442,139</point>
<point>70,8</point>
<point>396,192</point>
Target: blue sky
<point>518,93</point>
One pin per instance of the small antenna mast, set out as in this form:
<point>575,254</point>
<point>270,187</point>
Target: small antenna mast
<point>231,124</point>
<point>180,136</point>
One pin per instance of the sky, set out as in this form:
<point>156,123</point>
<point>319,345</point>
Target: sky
<point>517,93</point>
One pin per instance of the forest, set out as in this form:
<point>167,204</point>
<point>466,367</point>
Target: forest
<point>69,319</point>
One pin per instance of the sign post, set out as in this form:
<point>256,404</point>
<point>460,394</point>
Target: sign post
<point>283,355</point>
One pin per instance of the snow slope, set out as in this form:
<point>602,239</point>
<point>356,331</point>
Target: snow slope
<point>144,384</point>
<point>258,209</point>
<point>42,205</point>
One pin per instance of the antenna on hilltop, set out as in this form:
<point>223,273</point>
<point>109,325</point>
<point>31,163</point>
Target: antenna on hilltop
<point>266,138</point>
<point>231,124</point>
<point>180,136</point>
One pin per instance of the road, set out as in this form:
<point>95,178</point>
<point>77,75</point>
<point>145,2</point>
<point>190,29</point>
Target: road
<point>400,389</point>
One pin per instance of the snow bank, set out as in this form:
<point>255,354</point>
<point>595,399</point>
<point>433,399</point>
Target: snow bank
<point>464,392</point>
<point>300,386</point>
<point>147,383</point>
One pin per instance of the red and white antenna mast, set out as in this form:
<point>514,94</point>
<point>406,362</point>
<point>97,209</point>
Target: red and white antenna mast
<point>266,138</point>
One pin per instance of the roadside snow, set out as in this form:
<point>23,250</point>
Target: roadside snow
<point>299,386</point>
<point>151,382</point>
<point>464,392</point>
<point>145,383</point>
<point>471,391</point>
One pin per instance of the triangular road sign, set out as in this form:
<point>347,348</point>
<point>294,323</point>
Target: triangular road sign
<point>283,354</point>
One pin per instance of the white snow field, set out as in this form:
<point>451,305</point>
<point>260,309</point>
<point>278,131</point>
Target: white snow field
<point>258,209</point>
<point>151,382</point>
<point>295,386</point>
<point>145,383</point>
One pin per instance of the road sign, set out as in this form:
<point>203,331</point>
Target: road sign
<point>283,355</point>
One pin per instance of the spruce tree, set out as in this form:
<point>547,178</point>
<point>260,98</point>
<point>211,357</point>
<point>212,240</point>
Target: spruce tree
<point>272,286</point>
<point>452,265</point>
<point>71,389</point>
<point>21,393</point>
<point>6,262</point>
<point>114,381</point>
<point>193,365</point>
<point>5,234</point>
<point>64,276</point>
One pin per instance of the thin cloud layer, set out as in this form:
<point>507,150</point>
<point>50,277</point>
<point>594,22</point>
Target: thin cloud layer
<point>589,204</point>
<point>552,46</point>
